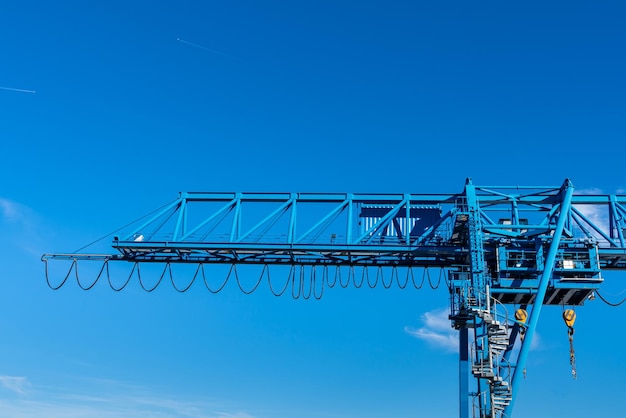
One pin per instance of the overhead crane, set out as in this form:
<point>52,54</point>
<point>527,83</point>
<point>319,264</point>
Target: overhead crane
<point>505,250</point>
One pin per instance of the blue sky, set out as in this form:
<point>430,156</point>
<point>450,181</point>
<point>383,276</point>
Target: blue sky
<point>135,101</point>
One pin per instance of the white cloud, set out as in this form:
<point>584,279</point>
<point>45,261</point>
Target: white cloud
<point>436,330</point>
<point>16,384</point>
<point>104,398</point>
<point>597,214</point>
<point>21,226</point>
<point>535,344</point>
<point>12,211</point>
<point>235,415</point>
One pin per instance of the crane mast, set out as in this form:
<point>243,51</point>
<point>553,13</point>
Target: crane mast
<point>501,248</point>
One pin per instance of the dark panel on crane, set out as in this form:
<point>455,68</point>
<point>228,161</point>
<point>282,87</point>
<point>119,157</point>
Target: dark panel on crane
<point>422,217</point>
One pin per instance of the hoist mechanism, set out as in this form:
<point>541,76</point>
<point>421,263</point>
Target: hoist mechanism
<point>504,250</point>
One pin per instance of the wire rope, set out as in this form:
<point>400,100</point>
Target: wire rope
<point>610,303</point>
<point>326,273</point>
<point>247,292</point>
<point>406,282</point>
<point>206,283</point>
<point>302,275</point>
<point>269,281</point>
<point>322,286</point>
<point>186,288</point>
<point>63,281</point>
<point>293,285</point>
<point>369,283</point>
<point>382,278</point>
<point>413,279</point>
<point>363,274</point>
<point>157,283</point>
<point>430,283</point>
<point>117,289</point>
<point>447,280</point>
<point>125,226</point>
<point>343,286</point>
<point>297,280</point>
<point>94,282</point>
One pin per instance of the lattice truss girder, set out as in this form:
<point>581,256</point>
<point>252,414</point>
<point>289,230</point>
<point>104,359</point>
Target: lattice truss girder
<point>370,229</point>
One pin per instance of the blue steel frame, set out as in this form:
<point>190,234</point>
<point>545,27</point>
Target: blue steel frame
<point>501,246</point>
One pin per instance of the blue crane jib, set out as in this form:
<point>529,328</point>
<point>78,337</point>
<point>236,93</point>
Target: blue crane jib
<point>500,246</point>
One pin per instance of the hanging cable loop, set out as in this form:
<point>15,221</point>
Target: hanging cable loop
<point>247,292</point>
<point>447,279</point>
<point>413,279</point>
<point>325,278</point>
<point>165,268</point>
<point>63,281</point>
<point>353,274</point>
<point>94,282</point>
<point>302,276</point>
<point>295,295</point>
<point>183,289</point>
<point>382,278</point>
<point>327,275</point>
<point>406,281</point>
<point>350,275</point>
<point>157,283</point>
<point>430,283</point>
<point>118,289</point>
<point>321,289</point>
<point>206,283</point>
<point>367,276</point>
<point>609,303</point>
<point>269,281</point>
<point>343,286</point>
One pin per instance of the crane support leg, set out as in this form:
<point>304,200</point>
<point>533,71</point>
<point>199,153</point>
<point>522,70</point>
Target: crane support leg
<point>568,191</point>
<point>463,373</point>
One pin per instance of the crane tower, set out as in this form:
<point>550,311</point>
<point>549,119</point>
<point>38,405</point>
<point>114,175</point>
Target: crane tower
<point>502,248</point>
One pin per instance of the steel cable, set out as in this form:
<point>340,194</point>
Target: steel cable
<point>327,276</point>
<point>406,282</point>
<point>157,283</point>
<point>293,285</point>
<point>117,289</point>
<point>302,275</point>
<point>206,283</point>
<point>429,280</point>
<point>343,286</point>
<point>363,273</point>
<point>269,281</point>
<point>413,279</point>
<point>183,290</point>
<point>610,303</point>
<point>122,227</point>
<point>239,282</point>
<point>297,283</point>
<point>94,282</point>
<point>382,278</point>
<point>63,281</point>
<point>322,287</point>
<point>370,284</point>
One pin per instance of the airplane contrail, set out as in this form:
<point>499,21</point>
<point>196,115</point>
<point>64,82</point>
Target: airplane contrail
<point>19,90</point>
<point>207,49</point>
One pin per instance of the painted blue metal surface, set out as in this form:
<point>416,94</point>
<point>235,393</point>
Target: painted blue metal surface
<point>564,209</point>
<point>501,246</point>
